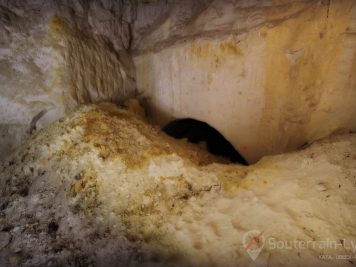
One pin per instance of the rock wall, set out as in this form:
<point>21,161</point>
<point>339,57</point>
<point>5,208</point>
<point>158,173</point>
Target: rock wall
<point>269,75</point>
<point>57,54</point>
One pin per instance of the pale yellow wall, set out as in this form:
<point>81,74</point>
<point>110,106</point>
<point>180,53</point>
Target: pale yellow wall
<point>270,82</point>
<point>269,75</point>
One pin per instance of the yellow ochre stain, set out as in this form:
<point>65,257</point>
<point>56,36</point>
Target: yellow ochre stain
<point>214,52</point>
<point>296,58</point>
<point>59,25</point>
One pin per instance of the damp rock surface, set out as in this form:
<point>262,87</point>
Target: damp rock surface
<point>101,187</point>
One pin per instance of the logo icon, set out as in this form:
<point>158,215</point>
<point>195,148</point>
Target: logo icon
<point>253,242</point>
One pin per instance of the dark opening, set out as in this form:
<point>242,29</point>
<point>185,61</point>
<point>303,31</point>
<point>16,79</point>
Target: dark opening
<point>198,131</point>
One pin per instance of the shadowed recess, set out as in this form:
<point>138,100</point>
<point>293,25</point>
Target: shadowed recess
<point>196,131</point>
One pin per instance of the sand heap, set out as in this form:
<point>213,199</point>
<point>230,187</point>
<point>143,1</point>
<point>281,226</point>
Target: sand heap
<point>102,187</point>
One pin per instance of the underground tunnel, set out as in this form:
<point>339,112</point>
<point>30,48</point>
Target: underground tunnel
<point>177,133</point>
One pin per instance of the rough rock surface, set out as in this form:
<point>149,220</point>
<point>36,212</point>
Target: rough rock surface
<point>281,73</point>
<point>55,55</point>
<point>282,68</point>
<point>103,188</point>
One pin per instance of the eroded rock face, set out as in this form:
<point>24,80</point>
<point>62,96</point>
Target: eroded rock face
<point>55,55</point>
<point>103,187</point>
<point>281,68</point>
<point>269,75</point>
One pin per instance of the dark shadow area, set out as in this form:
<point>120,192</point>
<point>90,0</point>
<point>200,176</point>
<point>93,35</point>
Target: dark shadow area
<point>196,131</point>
